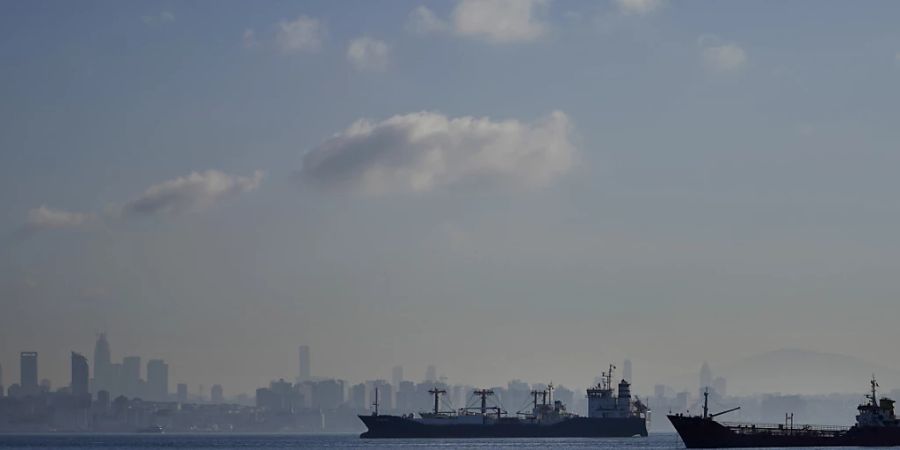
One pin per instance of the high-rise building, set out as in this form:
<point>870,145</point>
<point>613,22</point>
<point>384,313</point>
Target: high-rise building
<point>406,396</point>
<point>216,394</point>
<point>328,394</point>
<point>80,375</point>
<point>131,376</point>
<point>706,377</point>
<point>28,372</point>
<point>659,391</point>
<point>396,376</point>
<point>431,373</point>
<point>102,365</point>
<point>157,380</point>
<point>115,380</point>
<point>182,392</point>
<point>304,374</point>
<point>720,386</point>
<point>358,397</point>
<point>626,370</point>
<point>1,381</point>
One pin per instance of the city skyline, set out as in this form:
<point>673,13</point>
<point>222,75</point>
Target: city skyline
<point>130,379</point>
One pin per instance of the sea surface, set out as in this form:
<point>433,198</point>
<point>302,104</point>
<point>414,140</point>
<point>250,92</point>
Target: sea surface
<point>297,441</point>
<point>294,441</point>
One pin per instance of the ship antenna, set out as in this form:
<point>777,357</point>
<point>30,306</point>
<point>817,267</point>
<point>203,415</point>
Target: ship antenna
<point>706,403</point>
<point>609,376</point>
<point>874,385</point>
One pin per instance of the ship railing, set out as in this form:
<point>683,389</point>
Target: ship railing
<point>781,429</point>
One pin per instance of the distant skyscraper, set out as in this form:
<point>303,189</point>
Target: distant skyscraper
<point>28,372</point>
<point>406,396</point>
<point>706,377</point>
<point>626,370</point>
<point>720,386</point>
<point>131,376</point>
<point>157,380</point>
<point>431,373</point>
<point>396,376</point>
<point>182,392</point>
<point>659,391</point>
<point>304,374</point>
<point>115,380</point>
<point>327,394</point>
<point>1,381</point>
<point>358,397</point>
<point>216,395</point>
<point>102,364</point>
<point>80,375</point>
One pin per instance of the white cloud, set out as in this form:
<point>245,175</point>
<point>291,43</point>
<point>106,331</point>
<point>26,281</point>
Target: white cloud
<point>722,57</point>
<point>248,40</point>
<point>639,7</point>
<point>500,21</point>
<point>366,53</point>
<point>196,191</point>
<point>497,21</point>
<point>303,34</point>
<point>423,20</point>
<point>44,218</point>
<point>163,17</point>
<point>422,151</point>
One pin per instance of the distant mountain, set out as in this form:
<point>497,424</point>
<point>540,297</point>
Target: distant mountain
<point>795,371</point>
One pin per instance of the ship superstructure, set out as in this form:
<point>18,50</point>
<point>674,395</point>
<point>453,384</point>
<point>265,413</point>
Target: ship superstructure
<point>876,425</point>
<point>610,414</point>
<point>603,401</point>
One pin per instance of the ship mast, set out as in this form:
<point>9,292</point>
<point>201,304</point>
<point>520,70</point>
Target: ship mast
<point>436,393</point>
<point>375,403</point>
<point>483,393</point>
<point>874,396</point>
<point>706,403</point>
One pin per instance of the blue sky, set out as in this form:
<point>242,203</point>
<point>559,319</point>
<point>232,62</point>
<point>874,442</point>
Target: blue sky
<point>682,168</point>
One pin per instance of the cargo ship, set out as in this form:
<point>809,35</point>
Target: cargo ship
<point>876,426</point>
<point>610,414</point>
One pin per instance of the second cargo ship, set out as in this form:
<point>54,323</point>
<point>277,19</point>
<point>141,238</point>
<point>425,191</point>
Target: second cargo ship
<point>876,426</point>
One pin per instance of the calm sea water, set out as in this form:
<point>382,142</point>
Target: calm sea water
<point>267,441</point>
<point>219,441</point>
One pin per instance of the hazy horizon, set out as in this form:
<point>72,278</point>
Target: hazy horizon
<point>754,374</point>
<point>531,189</point>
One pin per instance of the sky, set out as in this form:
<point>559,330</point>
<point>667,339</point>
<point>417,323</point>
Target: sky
<point>505,189</point>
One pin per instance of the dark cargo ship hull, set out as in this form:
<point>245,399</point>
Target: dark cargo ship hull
<point>697,432</point>
<point>401,427</point>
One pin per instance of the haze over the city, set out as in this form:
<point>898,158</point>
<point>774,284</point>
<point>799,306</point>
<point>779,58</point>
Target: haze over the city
<point>505,189</point>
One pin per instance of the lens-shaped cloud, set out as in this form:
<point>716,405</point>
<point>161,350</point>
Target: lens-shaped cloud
<point>422,151</point>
